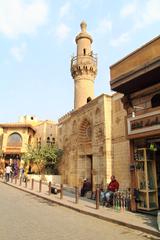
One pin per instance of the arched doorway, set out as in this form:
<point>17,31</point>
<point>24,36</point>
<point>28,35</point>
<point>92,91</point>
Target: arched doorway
<point>85,159</point>
<point>12,155</point>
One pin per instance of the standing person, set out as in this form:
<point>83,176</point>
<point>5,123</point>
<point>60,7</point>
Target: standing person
<point>21,171</point>
<point>112,187</point>
<point>86,187</point>
<point>8,171</point>
<point>15,168</point>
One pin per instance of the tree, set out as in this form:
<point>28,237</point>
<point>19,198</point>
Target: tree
<point>46,158</point>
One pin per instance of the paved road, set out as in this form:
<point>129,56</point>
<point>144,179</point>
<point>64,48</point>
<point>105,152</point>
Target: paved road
<point>27,217</point>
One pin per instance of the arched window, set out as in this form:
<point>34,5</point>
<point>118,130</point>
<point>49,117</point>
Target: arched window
<point>84,51</point>
<point>85,131</point>
<point>53,140</point>
<point>14,140</point>
<point>98,117</point>
<point>74,126</point>
<point>39,143</point>
<point>155,101</point>
<point>97,112</point>
<point>29,140</point>
<point>89,99</point>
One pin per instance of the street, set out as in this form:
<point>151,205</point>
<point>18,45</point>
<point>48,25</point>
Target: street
<point>24,216</point>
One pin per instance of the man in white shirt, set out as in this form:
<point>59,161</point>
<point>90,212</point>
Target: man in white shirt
<point>8,171</point>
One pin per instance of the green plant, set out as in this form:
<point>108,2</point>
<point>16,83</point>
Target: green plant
<point>46,158</point>
<point>153,147</point>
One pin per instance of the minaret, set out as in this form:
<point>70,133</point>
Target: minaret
<point>83,68</point>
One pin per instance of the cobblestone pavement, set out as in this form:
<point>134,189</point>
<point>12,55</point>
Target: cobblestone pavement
<point>26,217</point>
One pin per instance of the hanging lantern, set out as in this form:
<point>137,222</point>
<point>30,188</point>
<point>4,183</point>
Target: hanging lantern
<point>153,147</point>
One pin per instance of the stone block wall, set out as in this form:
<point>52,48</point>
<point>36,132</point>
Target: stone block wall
<point>120,144</point>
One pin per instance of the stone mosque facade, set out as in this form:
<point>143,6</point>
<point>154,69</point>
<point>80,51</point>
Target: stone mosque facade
<point>86,133</point>
<point>104,135</point>
<point>92,136</point>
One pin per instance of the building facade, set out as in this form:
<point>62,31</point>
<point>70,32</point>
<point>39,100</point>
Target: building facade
<point>86,134</point>
<point>15,138</point>
<point>137,76</point>
<point>116,134</point>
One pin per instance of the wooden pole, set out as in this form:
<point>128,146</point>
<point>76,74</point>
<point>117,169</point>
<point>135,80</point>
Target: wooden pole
<point>76,194</point>
<point>11,178</point>
<point>20,181</point>
<point>97,198</point>
<point>40,185</point>
<point>61,192</point>
<point>15,179</point>
<point>49,188</point>
<point>26,183</point>
<point>32,184</point>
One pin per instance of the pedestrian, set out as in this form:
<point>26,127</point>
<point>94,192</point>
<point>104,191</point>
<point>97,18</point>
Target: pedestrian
<point>7,172</point>
<point>21,171</point>
<point>86,187</point>
<point>15,173</point>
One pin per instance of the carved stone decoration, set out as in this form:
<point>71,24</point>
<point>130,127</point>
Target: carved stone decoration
<point>99,133</point>
<point>101,150</point>
<point>85,131</point>
<point>118,120</point>
<point>74,127</point>
<point>84,68</point>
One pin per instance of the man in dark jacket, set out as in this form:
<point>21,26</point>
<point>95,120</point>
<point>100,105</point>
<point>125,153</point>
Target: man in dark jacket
<point>86,187</point>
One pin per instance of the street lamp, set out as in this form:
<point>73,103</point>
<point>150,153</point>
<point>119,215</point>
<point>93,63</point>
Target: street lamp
<point>134,110</point>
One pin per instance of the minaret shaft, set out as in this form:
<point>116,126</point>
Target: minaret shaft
<point>83,69</point>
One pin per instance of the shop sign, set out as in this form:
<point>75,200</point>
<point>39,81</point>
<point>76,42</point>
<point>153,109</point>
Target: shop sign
<point>144,123</point>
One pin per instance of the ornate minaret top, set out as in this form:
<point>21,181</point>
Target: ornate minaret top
<point>83,33</point>
<point>83,26</point>
<point>83,68</point>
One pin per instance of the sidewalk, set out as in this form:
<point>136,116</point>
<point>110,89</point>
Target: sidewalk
<point>143,222</point>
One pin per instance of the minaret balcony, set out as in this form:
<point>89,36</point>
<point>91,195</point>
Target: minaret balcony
<point>84,60</point>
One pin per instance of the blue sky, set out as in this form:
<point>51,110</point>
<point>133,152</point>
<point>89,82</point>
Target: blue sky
<point>37,42</point>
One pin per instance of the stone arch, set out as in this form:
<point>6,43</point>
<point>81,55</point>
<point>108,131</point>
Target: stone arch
<point>89,99</point>
<point>14,140</point>
<point>74,126</point>
<point>30,139</point>
<point>97,111</point>
<point>97,114</point>
<point>85,131</point>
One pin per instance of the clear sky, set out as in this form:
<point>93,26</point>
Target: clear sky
<point>37,40</point>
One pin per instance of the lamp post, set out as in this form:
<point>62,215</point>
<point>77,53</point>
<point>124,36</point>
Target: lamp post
<point>134,110</point>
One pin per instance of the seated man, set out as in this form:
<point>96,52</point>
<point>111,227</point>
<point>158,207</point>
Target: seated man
<point>86,187</point>
<point>112,187</point>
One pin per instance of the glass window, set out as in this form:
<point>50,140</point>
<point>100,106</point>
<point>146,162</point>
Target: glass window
<point>155,101</point>
<point>14,139</point>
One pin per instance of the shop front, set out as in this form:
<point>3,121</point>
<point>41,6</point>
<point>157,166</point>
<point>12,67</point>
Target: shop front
<point>15,138</point>
<point>145,165</point>
<point>137,77</point>
<point>14,160</point>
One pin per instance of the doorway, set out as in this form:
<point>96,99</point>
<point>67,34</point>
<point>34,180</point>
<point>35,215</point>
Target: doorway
<point>158,171</point>
<point>14,161</point>
<point>89,168</point>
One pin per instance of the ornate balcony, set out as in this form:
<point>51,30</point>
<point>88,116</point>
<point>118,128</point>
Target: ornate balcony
<point>84,64</point>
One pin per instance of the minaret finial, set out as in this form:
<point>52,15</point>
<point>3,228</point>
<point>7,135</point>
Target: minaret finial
<point>83,26</point>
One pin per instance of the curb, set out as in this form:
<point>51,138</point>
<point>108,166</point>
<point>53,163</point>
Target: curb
<point>142,229</point>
